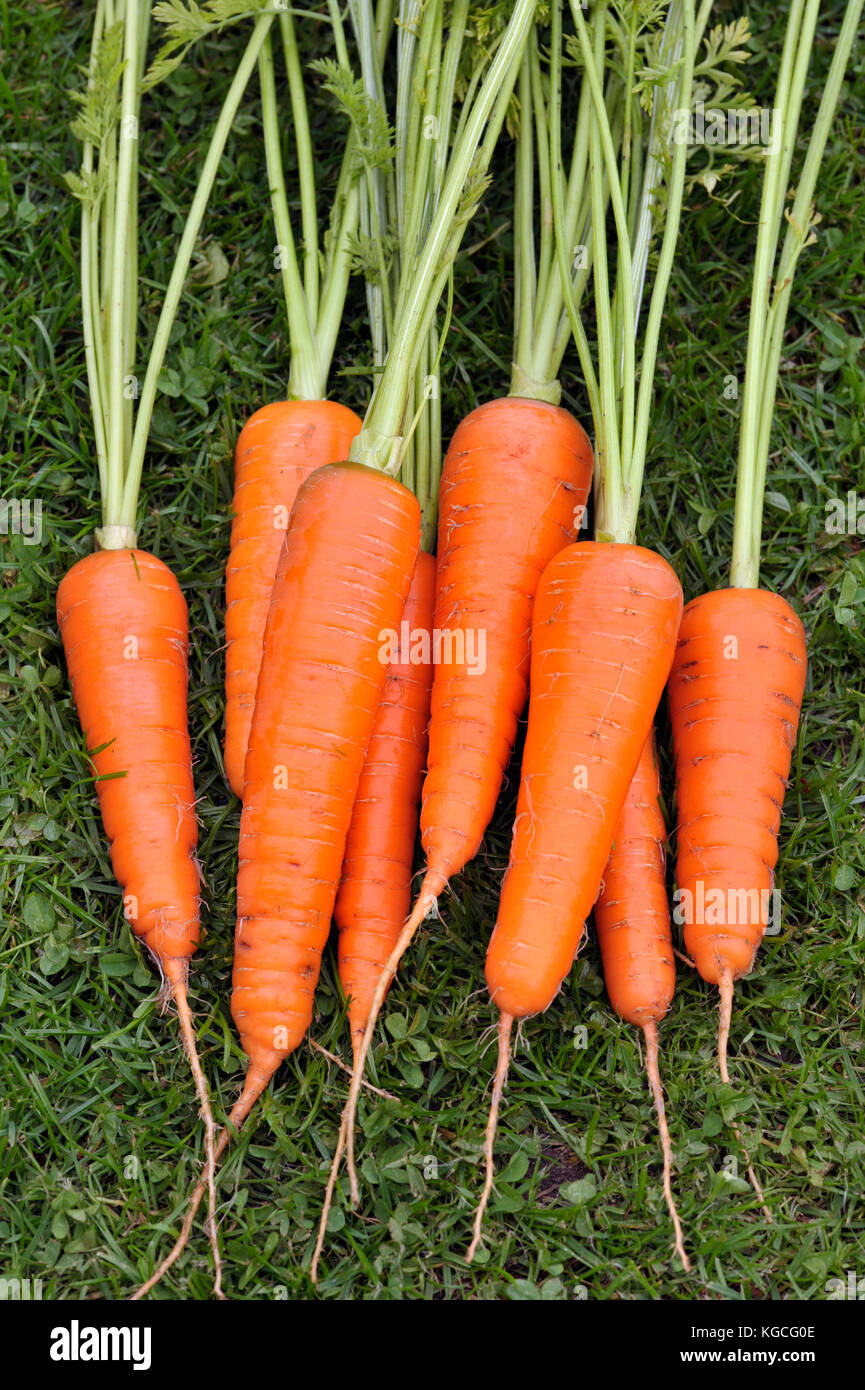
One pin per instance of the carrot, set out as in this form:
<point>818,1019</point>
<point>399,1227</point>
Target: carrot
<point>279,446</point>
<point>603,637</point>
<point>123,622</point>
<point>632,920</point>
<point>122,616</point>
<point>374,895</point>
<point>338,585</point>
<point>436,189</point>
<point>735,694</point>
<point>739,674</point>
<point>283,442</point>
<point>606,612</point>
<point>492,549</point>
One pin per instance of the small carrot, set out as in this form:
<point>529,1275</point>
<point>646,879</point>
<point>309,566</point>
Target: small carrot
<point>603,637</point>
<point>735,694</point>
<point>739,674</point>
<point>632,920</point>
<point>374,895</point>
<point>279,446</point>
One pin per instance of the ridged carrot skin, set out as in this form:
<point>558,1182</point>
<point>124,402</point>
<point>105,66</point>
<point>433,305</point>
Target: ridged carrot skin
<point>279,446</point>
<point>603,638</point>
<point>514,483</point>
<point>124,625</point>
<point>632,914</point>
<point>343,577</point>
<point>374,896</point>
<point>735,695</point>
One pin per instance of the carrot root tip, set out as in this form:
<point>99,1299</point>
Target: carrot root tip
<point>506,1022</point>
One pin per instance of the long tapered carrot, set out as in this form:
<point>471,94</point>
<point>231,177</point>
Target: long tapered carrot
<point>632,920</point>
<point>124,626</point>
<point>123,617</point>
<point>279,446</point>
<point>338,585</point>
<point>374,895</point>
<point>514,486</point>
<point>603,637</point>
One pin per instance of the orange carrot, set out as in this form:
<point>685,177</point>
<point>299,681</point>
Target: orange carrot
<point>735,694</point>
<point>374,896</point>
<point>124,627</point>
<point>279,446</point>
<point>603,636</point>
<point>632,919</point>
<point>338,585</point>
<point>514,487</point>
<point>513,490</point>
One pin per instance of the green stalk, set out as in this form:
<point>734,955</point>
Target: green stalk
<point>545,256</point>
<point>616,451</point>
<point>563,236</point>
<point>637,462</point>
<point>607,439</point>
<point>305,161</point>
<point>746,561</point>
<point>378,442</point>
<point>118,363</point>
<point>406,44</point>
<point>524,259</point>
<point>305,375</point>
<point>89,283</point>
<point>174,291</point>
<point>745,571</point>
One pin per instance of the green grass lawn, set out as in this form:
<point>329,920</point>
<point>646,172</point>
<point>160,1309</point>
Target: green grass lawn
<point>99,1132</point>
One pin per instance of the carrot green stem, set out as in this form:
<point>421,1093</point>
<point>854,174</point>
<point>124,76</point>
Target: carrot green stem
<point>90,280</point>
<point>769,307</point>
<point>637,461</point>
<point>378,443</point>
<point>118,361</point>
<point>174,292</point>
<point>621,393</point>
<point>305,161</point>
<point>305,374</point>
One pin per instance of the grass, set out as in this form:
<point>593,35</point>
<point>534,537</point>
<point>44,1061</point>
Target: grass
<point>99,1135</point>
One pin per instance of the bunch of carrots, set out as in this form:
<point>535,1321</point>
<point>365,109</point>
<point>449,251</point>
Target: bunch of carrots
<point>355,547</point>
